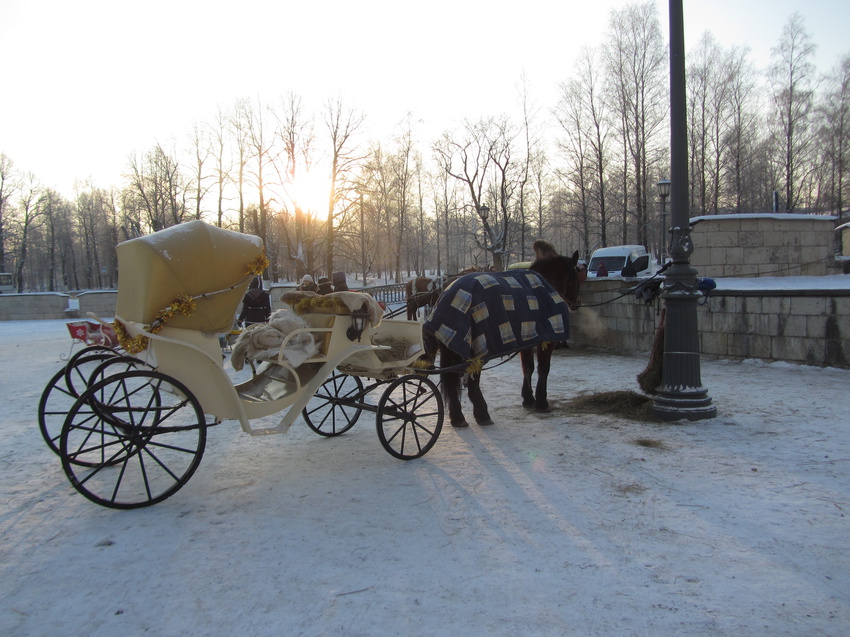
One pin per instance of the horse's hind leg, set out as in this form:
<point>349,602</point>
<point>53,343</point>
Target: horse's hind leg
<point>527,358</point>
<point>450,382</point>
<point>479,405</point>
<point>544,360</point>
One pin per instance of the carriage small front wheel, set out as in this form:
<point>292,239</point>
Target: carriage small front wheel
<point>335,407</point>
<point>133,439</point>
<point>410,416</point>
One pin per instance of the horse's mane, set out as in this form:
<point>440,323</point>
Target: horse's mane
<point>561,273</point>
<point>554,267</point>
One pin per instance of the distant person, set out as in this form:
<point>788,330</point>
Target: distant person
<point>581,270</point>
<point>324,286</point>
<point>307,284</point>
<point>629,269</point>
<point>339,282</point>
<point>257,305</point>
<point>602,270</point>
<point>543,249</point>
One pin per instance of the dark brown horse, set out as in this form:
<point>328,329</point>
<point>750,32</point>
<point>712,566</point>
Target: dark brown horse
<point>560,273</point>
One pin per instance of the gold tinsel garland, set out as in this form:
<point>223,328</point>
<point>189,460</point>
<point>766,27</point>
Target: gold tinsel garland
<point>317,303</point>
<point>183,304</point>
<point>475,366</point>
<point>131,345</point>
<point>258,265</point>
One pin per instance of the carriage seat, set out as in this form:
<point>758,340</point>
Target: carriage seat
<point>339,303</point>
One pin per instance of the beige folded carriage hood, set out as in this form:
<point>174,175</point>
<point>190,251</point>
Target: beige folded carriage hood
<point>194,259</point>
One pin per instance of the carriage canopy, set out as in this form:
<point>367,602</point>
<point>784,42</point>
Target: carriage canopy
<point>193,259</point>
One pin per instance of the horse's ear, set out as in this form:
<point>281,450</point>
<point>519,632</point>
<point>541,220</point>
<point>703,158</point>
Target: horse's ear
<point>575,258</point>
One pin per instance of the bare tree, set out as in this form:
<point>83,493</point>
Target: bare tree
<point>636,59</point>
<point>376,181</point>
<point>583,118</point>
<point>9,185</point>
<point>742,139</point>
<point>533,158</point>
<point>834,135</point>
<point>445,203</point>
<point>158,188</point>
<point>201,152</point>
<point>295,129</point>
<point>402,165</point>
<point>239,125</point>
<point>260,137</point>
<point>28,217</point>
<point>703,81</point>
<point>342,123</point>
<point>466,156</point>
<point>219,150</point>
<point>792,76</point>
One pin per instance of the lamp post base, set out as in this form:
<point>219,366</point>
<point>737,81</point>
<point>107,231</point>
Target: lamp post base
<point>678,405</point>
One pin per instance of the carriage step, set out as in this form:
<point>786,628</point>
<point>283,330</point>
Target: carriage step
<point>265,387</point>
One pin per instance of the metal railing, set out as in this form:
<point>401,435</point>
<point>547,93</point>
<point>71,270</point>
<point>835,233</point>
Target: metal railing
<point>394,293</point>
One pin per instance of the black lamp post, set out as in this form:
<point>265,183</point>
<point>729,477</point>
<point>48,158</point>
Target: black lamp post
<point>663,192</point>
<point>681,394</point>
<point>484,212</point>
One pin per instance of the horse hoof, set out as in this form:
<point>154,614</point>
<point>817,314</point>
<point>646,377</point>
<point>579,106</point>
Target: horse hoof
<point>484,423</point>
<point>462,423</point>
<point>528,404</point>
<point>542,409</point>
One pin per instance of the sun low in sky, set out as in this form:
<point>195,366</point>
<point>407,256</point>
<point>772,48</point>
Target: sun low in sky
<point>86,84</point>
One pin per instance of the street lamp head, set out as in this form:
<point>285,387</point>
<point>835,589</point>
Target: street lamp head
<point>664,188</point>
<point>484,211</point>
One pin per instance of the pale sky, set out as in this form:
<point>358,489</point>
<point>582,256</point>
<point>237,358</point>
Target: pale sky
<point>85,84</point>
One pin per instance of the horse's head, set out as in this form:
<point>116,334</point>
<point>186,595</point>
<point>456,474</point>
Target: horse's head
<point>561,273</point>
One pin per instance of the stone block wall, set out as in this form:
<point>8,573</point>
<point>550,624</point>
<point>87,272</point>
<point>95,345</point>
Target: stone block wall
<point>35,306</point>
<point>751,245</point>
<point>810,327</point>
<point>100,303</point>
<point>621,324</point>
<point>797,327</point>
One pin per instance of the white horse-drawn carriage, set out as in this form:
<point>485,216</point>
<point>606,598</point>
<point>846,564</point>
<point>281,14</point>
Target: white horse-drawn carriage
<point>130,424</point>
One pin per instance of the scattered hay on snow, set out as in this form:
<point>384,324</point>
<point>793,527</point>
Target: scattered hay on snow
<point>626,404</point>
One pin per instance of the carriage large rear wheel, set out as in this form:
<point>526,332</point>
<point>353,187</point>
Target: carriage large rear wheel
<point>80,365</point>
<point>335,407</point>
<point>64,388</point>
<point>133,439</point>
<point>410,416</point>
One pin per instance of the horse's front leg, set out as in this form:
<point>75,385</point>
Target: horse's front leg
<point>544,360</point>
<point>479,405</point>
<point>526,356</point>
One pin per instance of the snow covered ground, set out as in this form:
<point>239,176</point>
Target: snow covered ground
<point>556,524</point>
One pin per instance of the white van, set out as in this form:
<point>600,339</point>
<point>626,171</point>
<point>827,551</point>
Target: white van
<point>616,257</point>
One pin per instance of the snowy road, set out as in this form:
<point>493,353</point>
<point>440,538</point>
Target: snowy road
<point>557,524</point>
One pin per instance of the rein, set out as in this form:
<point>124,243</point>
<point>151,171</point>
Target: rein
<point>630,291</point>
<point>461,367</point>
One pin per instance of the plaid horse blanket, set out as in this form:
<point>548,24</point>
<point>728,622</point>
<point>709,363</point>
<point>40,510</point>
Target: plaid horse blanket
<point>487,315</point>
